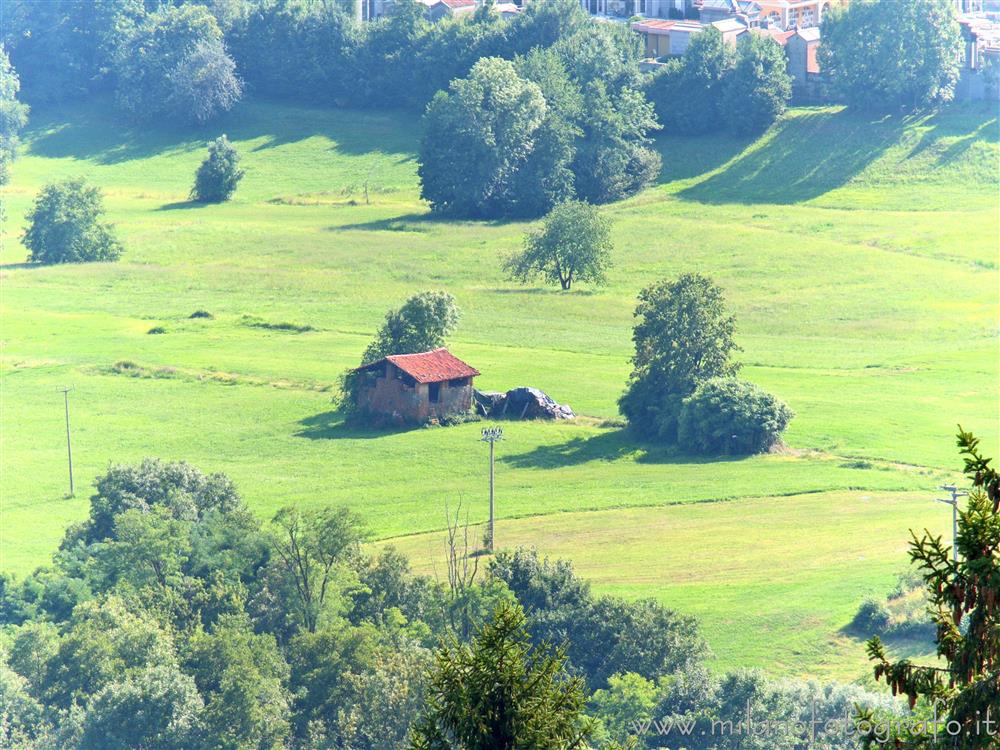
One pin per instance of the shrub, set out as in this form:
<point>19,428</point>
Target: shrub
<point>730,416</point>
<point>219,174</point>
<point>202,314</point>
<point>872,617</point>
<point>156,330</point>
<point>63,226</point>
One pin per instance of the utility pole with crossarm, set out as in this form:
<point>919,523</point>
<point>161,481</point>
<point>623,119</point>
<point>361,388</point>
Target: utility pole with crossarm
<point>491,435</point>
<point>953,502</point>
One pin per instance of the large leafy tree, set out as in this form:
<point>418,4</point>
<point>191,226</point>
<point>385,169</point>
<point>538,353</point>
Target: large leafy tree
<point>311,547</point>
<point>757,89</point>
<point>174,65</point>
<point>500,693</point>
<point>13,115</point>
<point>64,226</point>
<point>421,324</point>
<point>965,606</point>
<point>573,244</point>
<point>155,708</point>
<point>65,49</point>
<point>684,336</point>
<point>477,137</point>
<point>880,55</point>
<point>687,92</point>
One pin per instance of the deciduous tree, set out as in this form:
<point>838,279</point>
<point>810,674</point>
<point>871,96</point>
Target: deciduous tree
<point>882,55</point>
<point>13,115</point>
<point>64,226</point>
<point>573,244</point>
<point>757,88</point>
<point>684,336</point>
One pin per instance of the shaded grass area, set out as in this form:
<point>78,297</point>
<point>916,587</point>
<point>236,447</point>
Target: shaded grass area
<point>865,293</point>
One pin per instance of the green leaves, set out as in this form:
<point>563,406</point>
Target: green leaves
<point>898,54</point>
<point>966,600</point>
<point>219,173</point>
<point>64,226</point>
<point>574,244</point>
<point>501,693</point>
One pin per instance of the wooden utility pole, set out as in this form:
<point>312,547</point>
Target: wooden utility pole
<point>69,445</point>
<point>491,435</point>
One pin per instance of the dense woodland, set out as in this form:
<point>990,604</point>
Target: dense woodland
<point>172,618</point>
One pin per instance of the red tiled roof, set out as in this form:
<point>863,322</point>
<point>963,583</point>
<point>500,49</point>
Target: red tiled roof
<point>429,367</point>
<point>458,3</point>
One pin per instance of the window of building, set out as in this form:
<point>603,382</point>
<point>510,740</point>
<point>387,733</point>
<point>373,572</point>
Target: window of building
<point>458,382</point>
<point>434,392</point>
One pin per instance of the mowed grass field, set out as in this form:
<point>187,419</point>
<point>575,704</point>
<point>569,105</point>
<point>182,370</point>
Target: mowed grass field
<point>859,255</point>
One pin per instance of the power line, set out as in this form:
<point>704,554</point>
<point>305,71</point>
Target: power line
<point>69,445</point>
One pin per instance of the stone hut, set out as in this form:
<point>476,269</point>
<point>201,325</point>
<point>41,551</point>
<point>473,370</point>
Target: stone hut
<point>414,388</point>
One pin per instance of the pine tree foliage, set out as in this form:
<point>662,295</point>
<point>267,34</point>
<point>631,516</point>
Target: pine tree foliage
<point>965,607</point>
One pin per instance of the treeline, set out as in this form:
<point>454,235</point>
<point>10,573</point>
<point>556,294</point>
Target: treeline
<point>172,619</point>
<point>310,52</point>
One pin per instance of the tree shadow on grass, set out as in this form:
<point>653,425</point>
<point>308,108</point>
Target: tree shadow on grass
<point>418,222</point>
<point>611,445</point>
<point>801,158</point>
<point>333,425</point>
<point>97,132</point>
<point>687,156</point>
<point>181,205</point>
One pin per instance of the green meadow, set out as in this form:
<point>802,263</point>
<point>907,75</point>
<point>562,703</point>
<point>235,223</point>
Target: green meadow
<point>859,255</point>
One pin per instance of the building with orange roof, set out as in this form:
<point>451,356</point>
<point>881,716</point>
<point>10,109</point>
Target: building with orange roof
<point>414,388</point>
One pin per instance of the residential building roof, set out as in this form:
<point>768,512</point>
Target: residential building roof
<point>506,8</point>
<point>428,367</point>
<point>809,34</point>
<point>456,4</point>
<point>781,37</point>
<point>653,26</point>
<point>729,25</point>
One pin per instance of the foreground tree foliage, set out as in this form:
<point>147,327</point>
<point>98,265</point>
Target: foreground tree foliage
<point>965,607</point>
<point>170,620</point>
<point>500,693</point>
<point>926,53</point>
<point>64,226</point>
<point>603,636</point>
<point>13,115</point>
<point>219,174</point>
<point>573,244</point>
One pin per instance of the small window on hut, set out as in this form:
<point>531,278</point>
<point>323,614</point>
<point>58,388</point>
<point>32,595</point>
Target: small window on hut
<point>458,382</point>
<point>434,392</point>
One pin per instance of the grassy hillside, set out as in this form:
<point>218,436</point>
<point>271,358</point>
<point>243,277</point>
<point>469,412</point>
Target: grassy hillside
<point>859,257</point>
